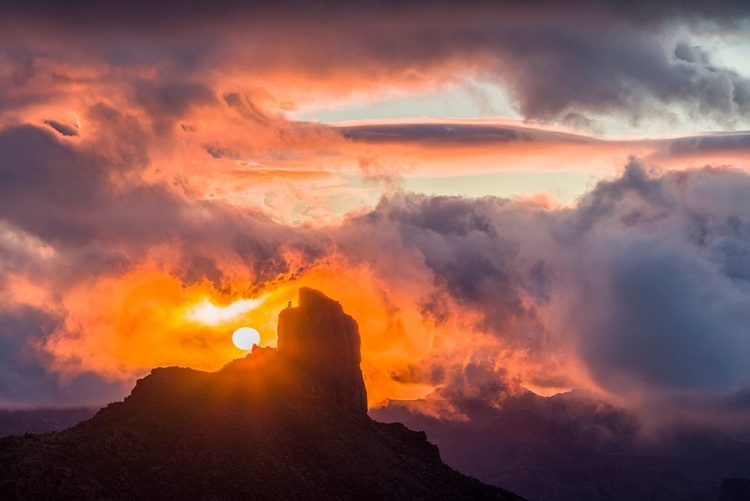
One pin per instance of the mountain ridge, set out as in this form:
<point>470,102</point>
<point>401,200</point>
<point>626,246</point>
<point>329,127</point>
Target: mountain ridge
<point>574,447</point>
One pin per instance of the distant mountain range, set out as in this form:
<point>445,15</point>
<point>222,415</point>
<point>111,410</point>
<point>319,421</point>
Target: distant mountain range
<point>286,423</point>
<point>20,421</point>
<point>574,447</point>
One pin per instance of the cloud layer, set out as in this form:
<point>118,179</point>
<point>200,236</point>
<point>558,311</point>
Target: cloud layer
<point>573,63</point>
<point>641,290</point>
<point>150,162</point>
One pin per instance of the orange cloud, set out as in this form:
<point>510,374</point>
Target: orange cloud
<point>121,326</point>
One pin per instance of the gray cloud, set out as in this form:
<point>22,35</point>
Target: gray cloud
<point>559,62</point>
<point>476,135</point>
<point>62,128</point>
<point>645,281</point>
<point>706,144</point>
<point>649,269</point>
<point>25,377</point>
<point>669,321</point>
<point>72,199</point>
<point>187,13</point>
<point>168,101</point>
<point>437,134</point>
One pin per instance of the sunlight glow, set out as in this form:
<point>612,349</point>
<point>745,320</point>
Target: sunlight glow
<point>208,313</point>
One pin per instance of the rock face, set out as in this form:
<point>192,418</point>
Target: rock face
<point>279,424</point>
<point>324,341</point>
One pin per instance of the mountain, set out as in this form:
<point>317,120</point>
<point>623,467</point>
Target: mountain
<point>575,447</point>
<point>286,423</point>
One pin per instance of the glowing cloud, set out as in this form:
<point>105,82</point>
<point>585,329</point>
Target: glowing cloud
<point>208,313</point>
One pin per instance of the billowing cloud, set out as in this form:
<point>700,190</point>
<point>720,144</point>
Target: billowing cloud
<point>150,162</point>
<point>62,128</point>
<point>639,291</point>
<point>573,63</point>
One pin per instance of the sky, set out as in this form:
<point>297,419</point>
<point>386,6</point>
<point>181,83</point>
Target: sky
<point>528,195</point>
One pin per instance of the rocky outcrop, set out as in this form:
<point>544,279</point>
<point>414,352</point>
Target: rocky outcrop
<point>279,424</point>
<point>324,342</point>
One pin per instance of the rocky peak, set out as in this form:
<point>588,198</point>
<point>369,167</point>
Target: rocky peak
<point>323,342</point>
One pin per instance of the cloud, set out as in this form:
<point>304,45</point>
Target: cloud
<point>712,144</point>
<point>187,177</point>
<point>167,101</point>
<point>248,107</point>
<point>64,129</point>
<point>576,62</point>
<point>509,274</point>
<point>640,290</point>
<point>431,144</point>
<point>669,321</point>
<point>25,376</point>
<point>436,134</point>
<point>643,283</point>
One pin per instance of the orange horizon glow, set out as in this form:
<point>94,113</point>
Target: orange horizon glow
<point>165,188</point>
<point>121,328</point>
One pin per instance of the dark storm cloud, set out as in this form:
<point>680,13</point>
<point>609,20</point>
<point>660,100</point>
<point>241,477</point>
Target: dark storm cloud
<point>64,194</point>
<point>479,378</point>
<point>73,213</point>
<point>25,376</point>
<point>668,308</point>
<point>74,199</point>
<point>457,134</point>
<point>43,181</point>
<point>176,12</point>
<point>469,255</point>
<point>645,281</point>
<point>615,70</point>
<point>447,135</point>
<point>472,247</point>
<point>64,129</point>
<point>673,322</point>
<point>651,270</point>
<point>739,400</point>
<point>691,54</point>
<point>171,99</point>
<point>708,144</point>
<point>560,61</point>
<point>435,133</point>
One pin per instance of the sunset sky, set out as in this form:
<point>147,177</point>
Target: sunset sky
<point>543,195</point>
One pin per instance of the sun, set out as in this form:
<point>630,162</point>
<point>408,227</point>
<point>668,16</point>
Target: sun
<point>245,337</point>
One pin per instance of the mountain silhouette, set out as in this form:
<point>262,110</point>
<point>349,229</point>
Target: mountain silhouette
<point>41,420</point>
<point>576,447</point>
<point>286,423</point>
